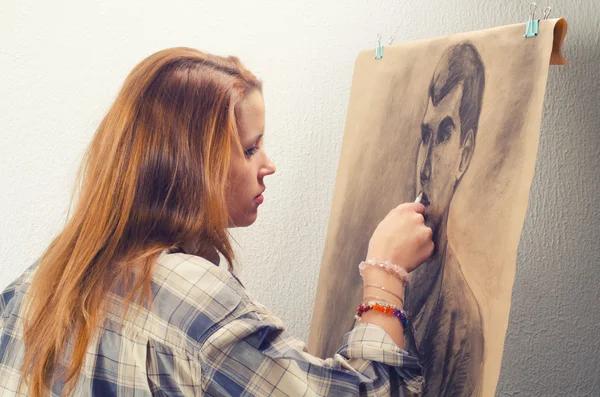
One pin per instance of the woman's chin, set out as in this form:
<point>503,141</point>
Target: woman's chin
<point>246,221</point>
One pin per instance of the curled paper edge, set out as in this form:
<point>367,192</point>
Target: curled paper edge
<point>560,31</point>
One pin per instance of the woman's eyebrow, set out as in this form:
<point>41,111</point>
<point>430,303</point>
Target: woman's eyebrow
<point>256,138</point>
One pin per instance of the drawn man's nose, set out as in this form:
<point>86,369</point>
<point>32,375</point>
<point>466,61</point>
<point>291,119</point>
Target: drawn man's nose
<point>425,170</point>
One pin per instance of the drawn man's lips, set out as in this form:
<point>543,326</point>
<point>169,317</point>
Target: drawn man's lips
<point>425,200</point>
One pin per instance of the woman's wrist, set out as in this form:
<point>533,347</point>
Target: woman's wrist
<point>377,276</point>
<point>397,271</point>
<point>390,322</point>
<point>387,285</point>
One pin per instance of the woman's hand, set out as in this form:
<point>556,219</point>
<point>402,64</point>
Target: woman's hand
<point>402,237</point>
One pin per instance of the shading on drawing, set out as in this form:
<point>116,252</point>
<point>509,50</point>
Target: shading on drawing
<point>457,118</point>
<point>448,337</point>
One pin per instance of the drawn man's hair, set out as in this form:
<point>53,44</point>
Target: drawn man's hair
<point>461,64</point>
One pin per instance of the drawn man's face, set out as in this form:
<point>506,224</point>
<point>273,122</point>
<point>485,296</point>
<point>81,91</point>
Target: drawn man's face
<point>442,159</point>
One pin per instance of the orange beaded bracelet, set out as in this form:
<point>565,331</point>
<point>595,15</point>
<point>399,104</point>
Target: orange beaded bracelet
<point>384,308</point>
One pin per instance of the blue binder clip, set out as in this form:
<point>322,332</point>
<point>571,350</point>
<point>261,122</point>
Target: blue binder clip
<point>379,48</point>
<point>532,28</point>
<point>533,25</point>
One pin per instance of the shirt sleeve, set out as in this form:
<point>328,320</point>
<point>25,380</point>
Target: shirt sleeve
<point>254,355</point>
<point>7,295</point>
<point>9,292</point>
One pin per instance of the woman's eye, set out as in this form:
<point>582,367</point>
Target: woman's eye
<point>251,151</point>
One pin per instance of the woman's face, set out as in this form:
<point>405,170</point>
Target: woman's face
<point>248,170</point>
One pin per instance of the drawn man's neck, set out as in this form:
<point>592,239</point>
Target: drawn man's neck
<point>427,278</point>
<point>440,239</point>
<point>440,236</point>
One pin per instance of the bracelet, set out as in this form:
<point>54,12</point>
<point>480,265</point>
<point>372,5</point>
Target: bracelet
<point>386,266</point>
<point>375,298</point>
<point>384,308</point>
<point>386,290</point>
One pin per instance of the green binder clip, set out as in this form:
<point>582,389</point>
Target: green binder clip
<point>533,25</point>
<point>379,48</point>
<point>532,28</point>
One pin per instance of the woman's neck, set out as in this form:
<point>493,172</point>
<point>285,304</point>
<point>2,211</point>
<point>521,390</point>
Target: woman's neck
<point>201,248</point>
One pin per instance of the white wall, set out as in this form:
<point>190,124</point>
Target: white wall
<point>62,62</point>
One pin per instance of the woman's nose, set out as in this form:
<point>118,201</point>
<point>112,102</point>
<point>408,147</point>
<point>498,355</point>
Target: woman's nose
<point>269,168</point>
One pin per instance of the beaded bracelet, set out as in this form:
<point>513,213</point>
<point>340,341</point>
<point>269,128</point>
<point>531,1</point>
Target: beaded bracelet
<point>384,308</point>
<point>386,266</point>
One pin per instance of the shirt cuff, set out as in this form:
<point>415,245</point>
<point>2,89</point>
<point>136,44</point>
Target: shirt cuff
<point>371,343</point>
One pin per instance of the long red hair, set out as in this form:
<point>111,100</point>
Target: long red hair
<point>153,178</point>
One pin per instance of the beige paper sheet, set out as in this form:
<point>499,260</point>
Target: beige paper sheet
<point>471,146</point>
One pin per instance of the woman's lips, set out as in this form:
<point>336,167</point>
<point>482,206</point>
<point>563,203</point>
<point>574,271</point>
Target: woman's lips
<point>259,199</point>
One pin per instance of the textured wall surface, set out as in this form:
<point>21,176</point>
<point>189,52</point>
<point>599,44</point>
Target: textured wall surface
<point>62,63</point>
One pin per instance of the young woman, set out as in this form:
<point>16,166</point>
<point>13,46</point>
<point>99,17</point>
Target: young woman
<point>128,299</point>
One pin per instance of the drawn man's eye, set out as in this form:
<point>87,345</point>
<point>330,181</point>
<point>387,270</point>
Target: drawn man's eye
<point>444,134</point>
<point>445,130</point>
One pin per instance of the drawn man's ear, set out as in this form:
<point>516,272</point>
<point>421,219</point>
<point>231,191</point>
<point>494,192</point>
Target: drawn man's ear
<point>466,153</point>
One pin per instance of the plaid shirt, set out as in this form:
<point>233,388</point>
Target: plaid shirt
<point>205,336</point>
